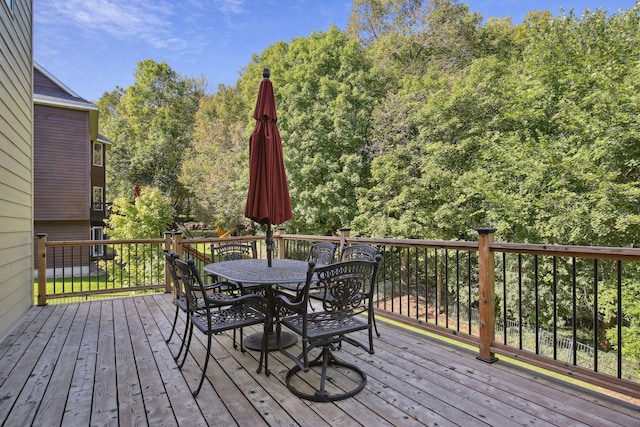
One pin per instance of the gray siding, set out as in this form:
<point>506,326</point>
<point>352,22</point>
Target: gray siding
<point>16,162</point>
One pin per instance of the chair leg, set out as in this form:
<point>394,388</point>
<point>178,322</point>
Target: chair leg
<point>375,326</point>
<point>206,364</point>
<point>264,351</point>
<point>188,344</point>
<point>235,343</point>
<point>173,326</point>
<point>320,394</point>
<point>184,337</point>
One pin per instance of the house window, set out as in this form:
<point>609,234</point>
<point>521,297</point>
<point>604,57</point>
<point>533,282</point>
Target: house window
<point>97,234</point>
<point>98,198</point>
<point>97,153</point>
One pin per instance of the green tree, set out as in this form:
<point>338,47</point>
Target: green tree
<point>325,98</point>
<point>148,216</point>
<point>216,168</point>
<point>151,125</point>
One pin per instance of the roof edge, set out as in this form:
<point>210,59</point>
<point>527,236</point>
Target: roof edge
<point>75,106</point>
<point>56,80</point>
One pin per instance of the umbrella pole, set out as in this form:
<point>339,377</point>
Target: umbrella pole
<point>269,243</point>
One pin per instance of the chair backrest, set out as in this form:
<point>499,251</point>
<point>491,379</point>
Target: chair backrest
<point>170,259</point>
<point>323,253</point>
<point>359,251</point>
<point>347,286</point>
<point>193,287</point>
<point>233,251</point>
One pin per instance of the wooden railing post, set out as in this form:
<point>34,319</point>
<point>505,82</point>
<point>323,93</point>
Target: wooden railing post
<point>281,249</point>
<point>344,234</point>
<point>487,296</point>
<point>177,243</point>
<point>168,283</point>
<point>42,268</point>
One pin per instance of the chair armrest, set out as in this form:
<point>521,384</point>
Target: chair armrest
<point>231,301</point>
<point>216,282</point>
<point>284,300</point>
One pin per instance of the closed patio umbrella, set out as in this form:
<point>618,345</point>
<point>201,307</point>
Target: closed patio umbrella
<point>268,200</point>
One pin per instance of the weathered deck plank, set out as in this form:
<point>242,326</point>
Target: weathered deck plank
<point>79,397</point>
<point>132,407</point>
<point>16,366</point>
<point>106,363</point>
<point>187,412</point>
<point>52,406</point>
<point>31,395</point>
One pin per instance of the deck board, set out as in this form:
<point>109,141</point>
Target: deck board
<point>107,363</point>
<point>52,406</point>
<point>79,397</point>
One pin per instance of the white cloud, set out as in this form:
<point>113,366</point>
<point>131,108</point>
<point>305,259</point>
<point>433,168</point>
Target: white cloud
<point>230,6</point>
<point>142,20</point>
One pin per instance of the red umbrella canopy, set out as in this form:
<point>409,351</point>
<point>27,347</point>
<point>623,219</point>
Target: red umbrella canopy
<point>268,198</point>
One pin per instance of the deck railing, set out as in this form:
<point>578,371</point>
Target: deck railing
<point>563,308</point>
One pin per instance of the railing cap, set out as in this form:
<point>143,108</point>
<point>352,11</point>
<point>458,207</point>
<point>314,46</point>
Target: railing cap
<point>486,230</point>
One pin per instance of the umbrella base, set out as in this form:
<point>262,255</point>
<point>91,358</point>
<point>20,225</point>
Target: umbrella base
<point>254,342</point>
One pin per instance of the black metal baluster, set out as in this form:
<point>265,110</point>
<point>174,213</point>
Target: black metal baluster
<point>619,319</point>
<point>520,301</point>
<point>504,297</point>
<point>554,289</point>
<point>537,322</point>
<point>595,315</point>
<point>575,315</point>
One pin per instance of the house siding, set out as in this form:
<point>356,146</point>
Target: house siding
<point>16,162</point>
<point>62,162</point>
<point>43,82</point>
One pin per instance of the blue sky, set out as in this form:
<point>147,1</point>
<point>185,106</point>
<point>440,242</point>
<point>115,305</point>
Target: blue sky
<point>92,46</point>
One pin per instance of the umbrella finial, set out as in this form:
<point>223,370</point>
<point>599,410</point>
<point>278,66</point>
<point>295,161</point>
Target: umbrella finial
<point>266,73</point>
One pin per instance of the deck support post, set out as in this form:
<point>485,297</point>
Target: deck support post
<point>486,295</point>
<point>177,243</point>
<point>168,283</point>
<point>344,234</point>
<point>282,253</point>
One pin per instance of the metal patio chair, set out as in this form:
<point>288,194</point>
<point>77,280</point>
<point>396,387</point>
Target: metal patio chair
<point>233,251</point>
<point>180,298</point>
<point>322,253</point>
<point>362,252</point>
<point>218,314</point>
<point>347,287</point>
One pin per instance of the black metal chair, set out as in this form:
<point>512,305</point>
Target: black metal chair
<point>362,252</point>
<point>225,308</point>
<point>322,253</point>
<point>233,251</point>
<point>178,296</point>
<point>180,299</point>
<point>347,288</point>
<point>359,251</point>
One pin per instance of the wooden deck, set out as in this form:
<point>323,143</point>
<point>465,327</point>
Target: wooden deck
<point>106,363</point>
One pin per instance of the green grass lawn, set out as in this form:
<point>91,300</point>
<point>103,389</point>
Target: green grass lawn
<point>79,285</point>
<point>74,284</point>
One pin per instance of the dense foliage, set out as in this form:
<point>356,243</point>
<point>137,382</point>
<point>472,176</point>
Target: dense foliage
<point>151,125</point>
<point>145,217</point>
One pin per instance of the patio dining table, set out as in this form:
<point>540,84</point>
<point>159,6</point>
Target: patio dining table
<point>256,273</point>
